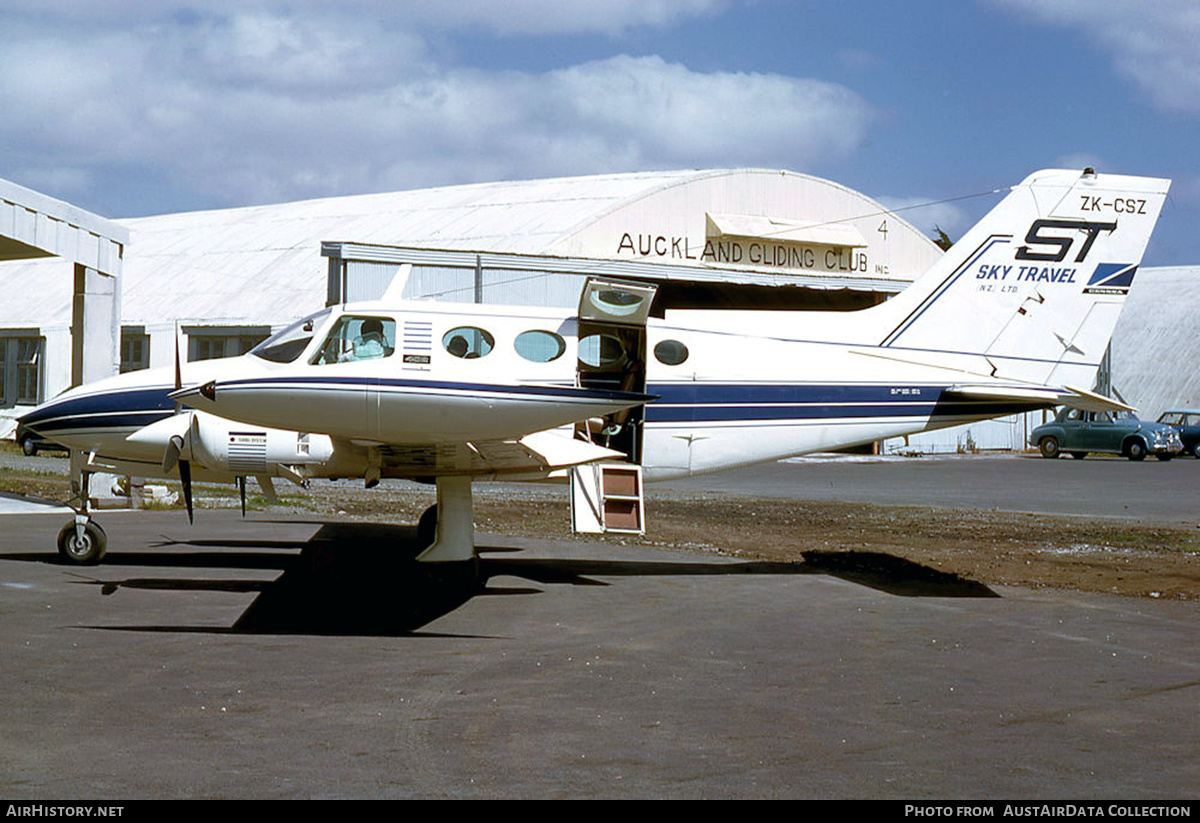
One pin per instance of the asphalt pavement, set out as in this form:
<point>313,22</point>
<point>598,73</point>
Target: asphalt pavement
<point>290,659</point>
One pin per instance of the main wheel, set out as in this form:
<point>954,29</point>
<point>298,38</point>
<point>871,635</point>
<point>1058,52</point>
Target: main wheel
<point>1136,450</point>
<point>87,551</point>
<point>1048,446</point>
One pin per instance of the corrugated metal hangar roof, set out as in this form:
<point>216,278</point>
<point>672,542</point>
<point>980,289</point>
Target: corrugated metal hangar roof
<point>231,265</point>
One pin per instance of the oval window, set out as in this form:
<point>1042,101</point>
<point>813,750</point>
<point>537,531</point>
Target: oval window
<point>671,352</point>
<point>598,350</point>
<point>540,346</point>
<point>617,302</point>
<point>468,342</point>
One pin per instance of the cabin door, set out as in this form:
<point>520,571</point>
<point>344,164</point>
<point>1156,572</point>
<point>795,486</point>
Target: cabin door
<point>612,355</point>
<point>607,497</point>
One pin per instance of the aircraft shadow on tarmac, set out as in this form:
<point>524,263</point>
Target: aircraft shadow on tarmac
<point>362,579</point>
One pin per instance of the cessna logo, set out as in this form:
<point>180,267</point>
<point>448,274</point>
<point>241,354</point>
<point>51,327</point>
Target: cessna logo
<point>1056,237</point>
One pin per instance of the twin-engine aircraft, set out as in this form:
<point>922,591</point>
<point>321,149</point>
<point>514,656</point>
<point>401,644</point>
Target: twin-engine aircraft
<point>1016,316</point>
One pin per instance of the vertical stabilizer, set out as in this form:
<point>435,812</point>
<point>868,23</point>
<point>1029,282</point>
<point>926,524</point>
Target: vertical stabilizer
<point>1035,287</point>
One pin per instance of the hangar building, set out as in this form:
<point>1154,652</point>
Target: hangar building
<point>228,277</point>
<point>77,283</point>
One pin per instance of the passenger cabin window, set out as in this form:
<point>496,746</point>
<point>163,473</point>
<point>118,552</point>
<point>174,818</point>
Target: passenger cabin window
<point>671,352</point>
<point>601,350</point>
<point>616,302</point>
<point>539,346</point>
<point>468,342</point>
<point>354,338</point>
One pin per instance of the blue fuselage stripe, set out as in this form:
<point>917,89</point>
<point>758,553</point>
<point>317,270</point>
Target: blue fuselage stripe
<point>675,403</point>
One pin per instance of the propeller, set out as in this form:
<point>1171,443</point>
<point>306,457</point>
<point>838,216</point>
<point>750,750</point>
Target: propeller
<point>185,477</point>
<point>174,453</point>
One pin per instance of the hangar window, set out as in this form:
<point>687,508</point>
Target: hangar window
<point>540,346</point>
<point>135,349</point>
<point>671,352</point>
<point>21,370</point>
<point>354,338</point>
<point>468,342</point>
<point>212,342</point>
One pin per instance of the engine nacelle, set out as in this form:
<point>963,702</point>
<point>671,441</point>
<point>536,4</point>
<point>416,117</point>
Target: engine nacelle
<point>253,451</point>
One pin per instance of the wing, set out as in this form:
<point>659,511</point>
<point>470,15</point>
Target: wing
<point>535,454</point>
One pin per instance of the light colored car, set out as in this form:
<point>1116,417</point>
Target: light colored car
<point>1080,433</point>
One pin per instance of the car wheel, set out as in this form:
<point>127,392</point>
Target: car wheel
<point>1196,450</point>
<point>1136,450</point>
<point>1048,446</point>
<point>29,447</point>
<point>1079,455</point>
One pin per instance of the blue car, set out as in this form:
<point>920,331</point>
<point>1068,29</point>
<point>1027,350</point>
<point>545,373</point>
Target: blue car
<point>1080,433</point>
<point>1187,423</point>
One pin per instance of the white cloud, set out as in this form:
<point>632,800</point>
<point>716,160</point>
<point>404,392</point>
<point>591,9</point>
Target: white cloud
<point>1153,43</point>
<point>254,107</point>
<point>510,17</point>
<point>563,16</point>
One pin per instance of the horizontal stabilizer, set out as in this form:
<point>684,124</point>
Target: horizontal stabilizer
<point>1090,401</point>
<point>1043,396</point>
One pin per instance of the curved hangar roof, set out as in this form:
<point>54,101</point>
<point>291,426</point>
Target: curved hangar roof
<point>203,265</point>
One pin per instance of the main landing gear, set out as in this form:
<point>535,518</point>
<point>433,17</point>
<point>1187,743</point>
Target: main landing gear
<point>447,529</point>
<point>81,541</point>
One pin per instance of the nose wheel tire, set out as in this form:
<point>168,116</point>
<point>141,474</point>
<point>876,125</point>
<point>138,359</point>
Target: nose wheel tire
<point>87,550</point>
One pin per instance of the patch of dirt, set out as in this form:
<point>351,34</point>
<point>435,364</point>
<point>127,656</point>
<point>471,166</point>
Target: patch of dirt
<point>986,547</point>
<point>979,547</point>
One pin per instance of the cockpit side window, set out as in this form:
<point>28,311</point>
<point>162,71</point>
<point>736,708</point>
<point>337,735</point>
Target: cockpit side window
<point>354,338</point>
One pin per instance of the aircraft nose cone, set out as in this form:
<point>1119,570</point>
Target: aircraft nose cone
<point>33,419</point>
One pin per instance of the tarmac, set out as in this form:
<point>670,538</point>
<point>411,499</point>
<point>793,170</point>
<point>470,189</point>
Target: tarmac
<point>284,658</point>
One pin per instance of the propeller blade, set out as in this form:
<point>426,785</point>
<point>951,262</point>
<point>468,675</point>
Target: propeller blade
<point>178,370</point>
<point>185,476</point>
<point>171,456</point>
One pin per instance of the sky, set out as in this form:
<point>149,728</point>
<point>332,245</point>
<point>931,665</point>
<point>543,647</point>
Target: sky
<point>130,108</point>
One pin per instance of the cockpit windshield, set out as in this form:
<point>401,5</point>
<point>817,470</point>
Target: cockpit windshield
<point>286,345</point>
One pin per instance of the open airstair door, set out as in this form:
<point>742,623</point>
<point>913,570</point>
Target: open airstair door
<point>612,355</point>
